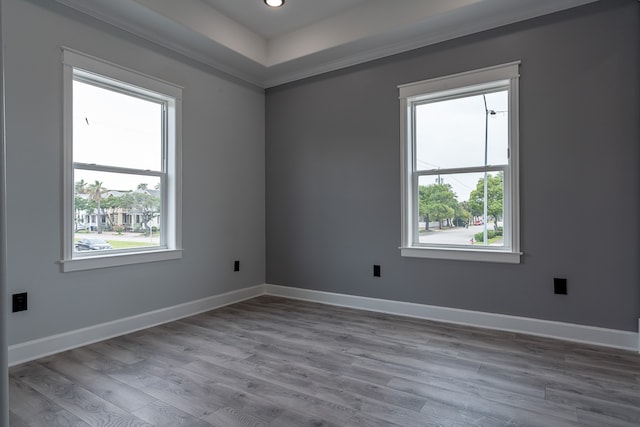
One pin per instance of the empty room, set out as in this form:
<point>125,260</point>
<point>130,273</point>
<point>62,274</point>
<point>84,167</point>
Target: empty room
<point>320,213</point>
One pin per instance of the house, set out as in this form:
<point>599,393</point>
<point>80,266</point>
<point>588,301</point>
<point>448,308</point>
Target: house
<point>117,217</point>
<point>301,182</point>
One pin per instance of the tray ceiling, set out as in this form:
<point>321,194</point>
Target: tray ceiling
<point>268,47</point>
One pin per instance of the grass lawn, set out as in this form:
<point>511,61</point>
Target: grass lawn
<point>491,240</point>
<point>124,244</point>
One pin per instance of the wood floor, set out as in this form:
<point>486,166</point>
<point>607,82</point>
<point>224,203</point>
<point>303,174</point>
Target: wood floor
<point>278,362</point>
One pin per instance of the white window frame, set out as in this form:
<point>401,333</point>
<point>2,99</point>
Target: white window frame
<point>115,77</point>
<point>505,76</point>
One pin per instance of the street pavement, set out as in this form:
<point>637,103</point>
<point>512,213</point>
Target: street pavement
<point>455,236</point>
<point>129,237</point>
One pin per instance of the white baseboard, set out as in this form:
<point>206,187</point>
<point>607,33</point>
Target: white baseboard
<point>32,350</point>
<point>46,346</point>
<point>544,328</point>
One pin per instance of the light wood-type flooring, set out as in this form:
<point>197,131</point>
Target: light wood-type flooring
<point>278,362</point>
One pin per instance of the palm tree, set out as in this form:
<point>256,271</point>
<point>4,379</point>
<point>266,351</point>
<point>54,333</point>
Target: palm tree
<point>81,186</point>
<point>95,191</point>
<point>79,203</point>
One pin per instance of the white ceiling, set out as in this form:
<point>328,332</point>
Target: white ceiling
<point>269,22</point>
<point>267,47</point>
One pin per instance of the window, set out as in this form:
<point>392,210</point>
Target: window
<point>460,166</point>
<point>121,161</point>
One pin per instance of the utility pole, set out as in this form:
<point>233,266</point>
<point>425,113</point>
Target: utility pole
<point>487,112</point>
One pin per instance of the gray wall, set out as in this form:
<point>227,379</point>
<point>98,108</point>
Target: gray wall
<point>333,177</point>
<point>4,306</point>
<point>223,178</point>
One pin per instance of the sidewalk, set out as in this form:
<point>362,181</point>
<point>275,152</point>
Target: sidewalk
<point>455,236</point>
<point>111,235</point>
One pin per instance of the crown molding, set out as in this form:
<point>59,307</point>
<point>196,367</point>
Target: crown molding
<point>262,62</point>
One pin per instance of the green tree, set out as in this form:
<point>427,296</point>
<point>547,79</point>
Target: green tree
<point>495,197</point>
<point>79,202</point>
<point>423,197</point>
<point>142,203</point>
<point>80,187</point>
<point>437,202</point>
<point>95,192</point>
<point>108,205</point>
<point>462,214</point>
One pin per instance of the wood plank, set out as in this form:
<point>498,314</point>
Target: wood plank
<point>588,403</point>
<point>272,361</point>
<point>231,417</point>
<point>35,409</point>
<point>191,398</point>
<point>469,392</point>
<point>293,418</point>
<point>280,395</point>
<point>595,419</point>
<point>80,402</point>
<point>92,359</point>
<point>15,421</point>
<point>161,414</point>
<point>114,351</point>
<point>120,394</point>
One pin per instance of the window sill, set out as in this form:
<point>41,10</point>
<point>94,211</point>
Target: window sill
<point>462,254</point>
<point>104,261</point>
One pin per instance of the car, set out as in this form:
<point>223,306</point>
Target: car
<point>92,245</point>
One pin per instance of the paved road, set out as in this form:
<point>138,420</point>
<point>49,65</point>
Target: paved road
<point>454,236</point>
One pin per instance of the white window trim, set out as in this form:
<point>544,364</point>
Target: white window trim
<point>482,79</point>
<point>145,85</point>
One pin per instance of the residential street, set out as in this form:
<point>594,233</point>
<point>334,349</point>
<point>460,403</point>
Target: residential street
<point>129,237</point>
<point>454,236</point>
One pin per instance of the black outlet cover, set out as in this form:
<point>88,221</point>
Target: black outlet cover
<point>376,271</point>
<point>560,286</point>
<point>236,265</point>
<point>19,302</point>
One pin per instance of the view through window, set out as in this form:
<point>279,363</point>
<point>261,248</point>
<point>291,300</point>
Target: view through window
<point>122,151</point>
<point>118,168</point>
<point>463,133</point>
<point>459,162</point>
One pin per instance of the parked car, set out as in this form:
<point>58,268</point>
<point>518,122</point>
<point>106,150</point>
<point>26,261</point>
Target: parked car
<point>92,245</point>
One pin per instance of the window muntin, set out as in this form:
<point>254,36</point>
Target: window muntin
<point>122,165</point>
<point>460,132</point>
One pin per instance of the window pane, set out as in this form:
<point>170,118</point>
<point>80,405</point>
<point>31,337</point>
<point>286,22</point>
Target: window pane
<point>451,209</point>
<point>451,133</point>
<point>122,209</point>
<point>114,129</point>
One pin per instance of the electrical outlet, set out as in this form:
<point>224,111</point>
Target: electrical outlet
<point>19,302</point>
<point>236,265</point>
<point>560,286</point>
<point>376,271</point>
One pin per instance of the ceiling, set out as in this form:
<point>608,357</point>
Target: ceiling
<point>267,47</point>
<point>270,22</point>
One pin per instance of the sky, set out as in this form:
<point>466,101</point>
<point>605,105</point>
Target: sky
<point>116,129</point>
<point>451,134</point>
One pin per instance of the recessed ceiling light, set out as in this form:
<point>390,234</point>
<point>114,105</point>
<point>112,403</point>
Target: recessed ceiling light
<point>274,3</point>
